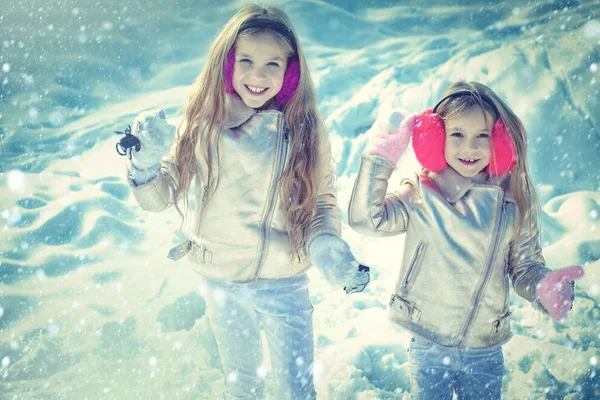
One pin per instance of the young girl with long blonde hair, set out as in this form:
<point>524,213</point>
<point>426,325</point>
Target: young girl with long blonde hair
<point>253,144</point>
<point>471,224</point>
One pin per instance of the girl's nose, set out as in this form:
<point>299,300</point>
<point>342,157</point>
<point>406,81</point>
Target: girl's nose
<point>260,73</point>
<point>472,144</point>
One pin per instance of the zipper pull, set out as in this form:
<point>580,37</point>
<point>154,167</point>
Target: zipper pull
<point>496,326</point>
<point>286,136</point>
<point>204,195</point>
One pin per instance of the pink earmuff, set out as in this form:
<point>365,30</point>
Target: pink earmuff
<point>229,67</point>
<point>504,150</point>
<point>291,78</point>
<point>429,140</point>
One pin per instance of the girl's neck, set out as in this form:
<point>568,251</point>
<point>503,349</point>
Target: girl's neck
<point>481,177</point>
<point>265,106</point>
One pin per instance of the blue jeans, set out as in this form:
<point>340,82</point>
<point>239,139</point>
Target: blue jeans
<point>437,371</point>
<point>239,311</point>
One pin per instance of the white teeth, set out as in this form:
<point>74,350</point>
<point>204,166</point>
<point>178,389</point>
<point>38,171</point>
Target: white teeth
<point>255,89</point>
<point>464,159</point>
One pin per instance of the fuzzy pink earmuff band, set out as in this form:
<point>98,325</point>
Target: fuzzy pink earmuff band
<point>429,140</point>
<point>291,78</point>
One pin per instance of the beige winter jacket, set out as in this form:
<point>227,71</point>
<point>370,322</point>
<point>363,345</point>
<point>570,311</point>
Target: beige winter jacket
<point>239,229</point>
<point>459,251</point>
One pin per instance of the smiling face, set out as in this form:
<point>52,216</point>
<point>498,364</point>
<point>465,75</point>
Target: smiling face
<point>468,141</point>
<point>260,63</point>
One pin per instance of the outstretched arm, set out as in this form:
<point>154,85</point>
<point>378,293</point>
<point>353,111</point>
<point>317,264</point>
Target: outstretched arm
<point>326,249</point>
<point>551,291</point>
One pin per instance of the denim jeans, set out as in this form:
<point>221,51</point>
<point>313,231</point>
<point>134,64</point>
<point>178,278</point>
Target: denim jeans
<point>437,371</point>
<point>239,311</point>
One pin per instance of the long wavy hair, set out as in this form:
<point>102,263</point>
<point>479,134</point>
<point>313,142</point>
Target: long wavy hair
<point>520,182</point>
<point>204,116</point>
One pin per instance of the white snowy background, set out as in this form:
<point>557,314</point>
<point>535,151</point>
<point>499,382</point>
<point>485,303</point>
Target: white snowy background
<point>90,308</point>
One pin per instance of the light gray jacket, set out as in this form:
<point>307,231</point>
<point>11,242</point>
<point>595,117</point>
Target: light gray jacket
<point>459,251</point>
<point>239,229</point>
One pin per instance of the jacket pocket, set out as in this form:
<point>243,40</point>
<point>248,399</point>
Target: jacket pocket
<point>403,307</point>
<point>499,324</point>
<point>418,344</point>
<point>413,268</point>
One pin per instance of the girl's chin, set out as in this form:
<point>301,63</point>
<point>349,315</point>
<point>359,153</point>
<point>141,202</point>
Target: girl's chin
<point>257,103</point>
<point>467,171</point>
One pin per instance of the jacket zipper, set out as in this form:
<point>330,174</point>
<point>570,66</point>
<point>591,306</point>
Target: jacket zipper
<point>201,209</point>
<point>412,270</point>
<point>475,304</point>
<point>506,284</point>
<point>268,215</point>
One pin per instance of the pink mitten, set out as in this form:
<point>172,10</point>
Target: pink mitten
<point>556,291</point>
<point>389,136</point>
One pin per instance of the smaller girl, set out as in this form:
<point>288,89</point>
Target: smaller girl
<point>471,222</point>
<point>253,147</point>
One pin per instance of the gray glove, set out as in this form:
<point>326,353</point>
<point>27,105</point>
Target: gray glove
<point>333,258</point>
<point>359,280</point>
<point>156,137</point>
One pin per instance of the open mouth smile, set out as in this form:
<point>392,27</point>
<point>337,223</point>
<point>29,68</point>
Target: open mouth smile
<point>469,161</point>
<point>255,90</point>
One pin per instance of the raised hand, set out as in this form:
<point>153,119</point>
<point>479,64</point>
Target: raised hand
<point>390,135</point>
<point>156,137</point>
<point>556,291</point>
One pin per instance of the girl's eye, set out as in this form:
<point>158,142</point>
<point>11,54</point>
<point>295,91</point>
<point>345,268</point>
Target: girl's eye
<point>483,136</point>
<point>456,134</point>
<point>245,60</point>
<point>273,64</point>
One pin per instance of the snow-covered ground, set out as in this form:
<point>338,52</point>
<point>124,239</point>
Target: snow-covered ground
<point>90,308</point>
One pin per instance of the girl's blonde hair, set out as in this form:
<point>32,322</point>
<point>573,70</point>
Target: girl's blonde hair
<point>205,114</point>
<point>484,97</point>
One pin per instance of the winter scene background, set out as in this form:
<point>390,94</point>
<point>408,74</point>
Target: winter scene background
<point>90,308</point>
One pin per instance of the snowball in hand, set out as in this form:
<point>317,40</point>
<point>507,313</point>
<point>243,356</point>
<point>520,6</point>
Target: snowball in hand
<point>156,137</point>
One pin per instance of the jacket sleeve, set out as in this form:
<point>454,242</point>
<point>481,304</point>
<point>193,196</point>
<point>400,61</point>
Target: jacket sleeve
<point>158,193</point>
<point>372,210</point>
<point>327,216</point>
<point>526,264</point>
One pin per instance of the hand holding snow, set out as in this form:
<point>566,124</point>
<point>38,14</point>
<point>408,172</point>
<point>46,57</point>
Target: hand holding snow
<point>358,281</point>
<point>556,292</point>
<point>156,137</point>
<point>333,258</point>
<point>390,135</point>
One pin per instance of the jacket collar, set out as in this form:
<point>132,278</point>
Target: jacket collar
<point>237,112</point>
<point>453,186</point>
